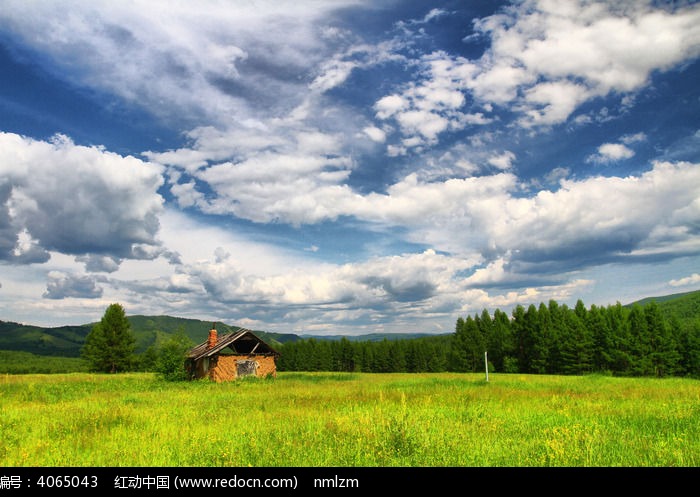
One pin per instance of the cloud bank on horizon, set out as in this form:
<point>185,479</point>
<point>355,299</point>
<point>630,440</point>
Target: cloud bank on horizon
<point>345,167</point>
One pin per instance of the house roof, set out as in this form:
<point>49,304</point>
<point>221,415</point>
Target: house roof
<point>242,341</point>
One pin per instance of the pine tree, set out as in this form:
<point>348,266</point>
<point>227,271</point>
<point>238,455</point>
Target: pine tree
<point>557,319</point>
<point>577,346</point>
<point>541,338</point>
<point>347,355</point>
<point>468,346</point>
<point>110,346</point>
<point>640,342</point>
<point>459,361</point>
<point>602,339</point>
<point>523,339</point>
<point>664,353</point>
<point>501,345</point>
<point>621,353</point>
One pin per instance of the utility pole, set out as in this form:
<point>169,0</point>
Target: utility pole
<point>486,363</point>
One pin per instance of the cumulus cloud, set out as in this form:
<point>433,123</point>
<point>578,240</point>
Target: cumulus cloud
<point>97,263</point>
<point>693,279</point>
<point>614,152</point>
<point>651,212</point>
<point>425,109</point>
<point>633,138</point>
<point>611,152</point>
<point>262,167</point>
<point>354,297</point>
<point>62,285</point>
<point>484,214</point>
<point>333,74</point>
<point>74,199</point>
<point>295,189</point>
<point>502,161</point>
<point>375,134</point>
<point>546,58</point>
<point>544,61</point>
<point>378,283</point>
<point>557,174</point>
<point>553,230</point>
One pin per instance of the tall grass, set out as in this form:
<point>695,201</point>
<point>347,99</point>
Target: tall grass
<point>349,419</point>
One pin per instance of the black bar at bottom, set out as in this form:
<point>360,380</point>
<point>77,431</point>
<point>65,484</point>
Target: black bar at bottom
<point>303,480</point>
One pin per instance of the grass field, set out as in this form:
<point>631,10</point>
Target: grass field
<point>350,420</point>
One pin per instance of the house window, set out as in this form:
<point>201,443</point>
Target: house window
<point>246,368</point>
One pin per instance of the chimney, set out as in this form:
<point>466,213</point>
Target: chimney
<point>212,336</point>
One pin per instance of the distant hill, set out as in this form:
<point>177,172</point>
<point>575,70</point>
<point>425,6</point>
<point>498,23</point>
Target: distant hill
<point>683,306</point>
<point>695,295</point>
<point>66,341</point>
<point>149,329</point>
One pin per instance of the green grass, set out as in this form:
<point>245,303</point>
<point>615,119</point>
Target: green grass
<point>351,420</point>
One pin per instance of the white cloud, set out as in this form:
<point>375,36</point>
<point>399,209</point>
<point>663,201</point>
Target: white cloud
<point>76,199</point>
<point>333,74</point>
<point>482,214</point>
<point>379,283</point>
<point>561,54</point>
<point>544,61</point>
<point>62,285</point>
<point>486,215</point>
<point>427,124</point>
<point>186,194</point>
<point>375,134</point>
<point>389,106</point>
<point>434,14</point>
<point>551,102</point>
<point>296,189</point>
<point>431,106</point>
<point>557,174</point>
<point>693,279</point>
<point>633,138</point>
<point>611,152</point>
<point>503,161</point>
<point>178,58</point>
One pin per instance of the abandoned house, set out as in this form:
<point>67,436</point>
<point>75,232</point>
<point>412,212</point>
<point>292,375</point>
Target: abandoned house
<point>230,356</point>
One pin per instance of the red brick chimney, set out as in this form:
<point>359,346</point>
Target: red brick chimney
<point>212,337</point>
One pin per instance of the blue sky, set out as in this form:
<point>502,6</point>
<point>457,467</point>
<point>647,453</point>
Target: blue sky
<point>345,167</point>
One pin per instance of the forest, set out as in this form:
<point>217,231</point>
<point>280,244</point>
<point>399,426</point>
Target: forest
<point>553,338</point>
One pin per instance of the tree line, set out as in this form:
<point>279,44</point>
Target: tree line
<point>546,339</point>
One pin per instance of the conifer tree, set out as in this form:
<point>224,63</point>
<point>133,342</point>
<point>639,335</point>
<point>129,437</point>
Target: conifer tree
<point>602,339</point>
<point>110,346</point>
<point>664,355</point>
<point>500,344</point>
<point>640,342</point>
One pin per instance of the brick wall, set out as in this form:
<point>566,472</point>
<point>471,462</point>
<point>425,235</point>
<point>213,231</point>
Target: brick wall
<point>226,368</point>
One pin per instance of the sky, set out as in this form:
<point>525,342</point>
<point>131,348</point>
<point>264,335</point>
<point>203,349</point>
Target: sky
<point>326,167</point>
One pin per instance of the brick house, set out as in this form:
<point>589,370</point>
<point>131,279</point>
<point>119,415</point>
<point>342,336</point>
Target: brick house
<point>231,356</point>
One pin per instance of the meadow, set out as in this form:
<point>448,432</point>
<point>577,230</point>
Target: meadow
<point>349,420</point>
